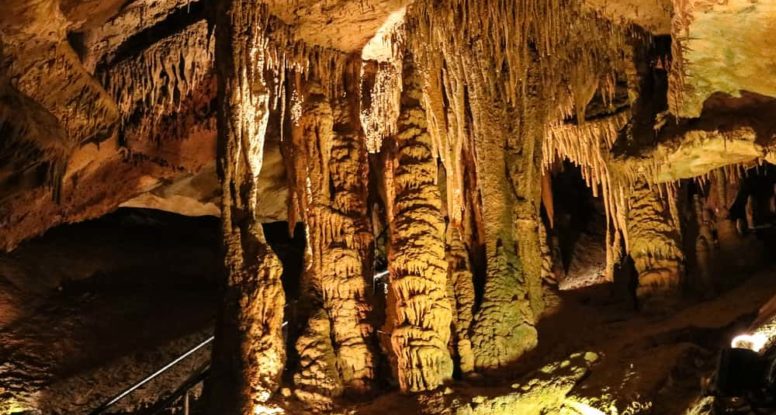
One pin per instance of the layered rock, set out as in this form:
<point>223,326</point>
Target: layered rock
<point>419,313</point>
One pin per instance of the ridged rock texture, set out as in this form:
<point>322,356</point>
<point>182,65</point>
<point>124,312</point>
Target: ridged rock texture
<point>317,381</point>
<point>330,172</point>
<point>654,244</point>
<point>249,355</point>
<point>461,294</point>
<point>419,312</point>
<point>503,329</point>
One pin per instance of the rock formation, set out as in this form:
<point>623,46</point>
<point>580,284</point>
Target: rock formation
<point>430,146</point>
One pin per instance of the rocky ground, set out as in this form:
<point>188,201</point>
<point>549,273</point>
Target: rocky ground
<point>107,302</point>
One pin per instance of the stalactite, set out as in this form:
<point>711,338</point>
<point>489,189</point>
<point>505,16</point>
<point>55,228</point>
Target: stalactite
<point>249,353</point>
<point>654,241</point>
<point>156,82</point>
<point>420,313</point>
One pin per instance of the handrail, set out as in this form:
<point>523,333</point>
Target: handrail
<point>182,390</point>
<point>149,378</point>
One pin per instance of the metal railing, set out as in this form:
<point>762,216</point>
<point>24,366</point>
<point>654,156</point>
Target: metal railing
<point>202,372</point>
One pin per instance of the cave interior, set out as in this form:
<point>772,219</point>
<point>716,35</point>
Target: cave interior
<point>436,207</point>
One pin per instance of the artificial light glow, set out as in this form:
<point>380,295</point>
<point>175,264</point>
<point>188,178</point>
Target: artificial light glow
<point>262,409</point>
<point>754,342</point>
<point>583,408</point>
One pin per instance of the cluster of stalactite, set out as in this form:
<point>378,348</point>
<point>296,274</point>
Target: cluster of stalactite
<point>157,82</point>
<point>654,242</point>
<point>588,146</point>
<point>382,82</point>
<point>468,132</point>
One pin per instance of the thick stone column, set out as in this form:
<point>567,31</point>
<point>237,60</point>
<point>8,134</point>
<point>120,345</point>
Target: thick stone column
<point>504,324</point>
<point>348,266</point>
<point>654,244</point>
<point>330,163</point>
<point>420,312</point>
<point>249,352</point>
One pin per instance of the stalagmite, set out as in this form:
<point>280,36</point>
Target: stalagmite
<point>317,381</point>
<point>348,266</point>
<point>654,242</point>
<point>330,172</point>
<point>249,353</point>
<point>461,294</point>
<point>420,314</point>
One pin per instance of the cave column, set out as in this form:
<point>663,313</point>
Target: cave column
<point>504,324</point>
<point>654,246</point>
<point>524,161</point>
<point>420,313</point>
<point>331,182</point>
<point>249,353</point>
<point>349,264</point>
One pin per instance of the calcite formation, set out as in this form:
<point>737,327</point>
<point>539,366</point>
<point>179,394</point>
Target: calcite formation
<point>419,140</point>
<point>654,242</point>
<point>419,314</point>
<point>328,163</point>
<point>250,353</point>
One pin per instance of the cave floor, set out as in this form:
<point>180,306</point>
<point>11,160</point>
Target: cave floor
<point>94,337</point>
<point>99,306</point>
<point>660,359</point>
<point>86,344</point>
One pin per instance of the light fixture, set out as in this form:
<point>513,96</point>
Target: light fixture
<point>754,342</point>
<point>264,409</point>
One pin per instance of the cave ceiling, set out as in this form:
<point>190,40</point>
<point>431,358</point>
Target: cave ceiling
<point>80,122</point>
